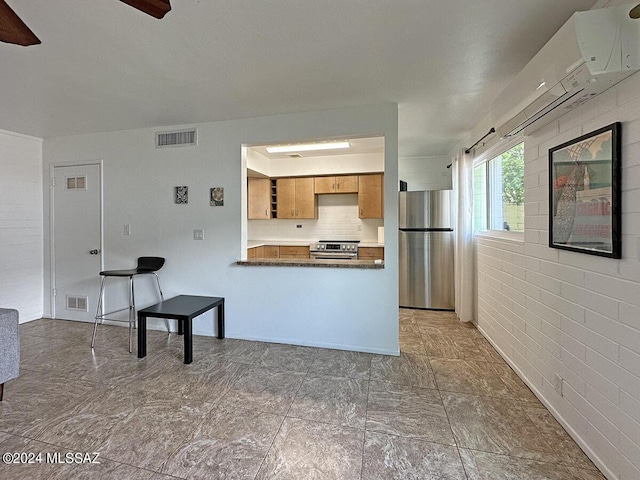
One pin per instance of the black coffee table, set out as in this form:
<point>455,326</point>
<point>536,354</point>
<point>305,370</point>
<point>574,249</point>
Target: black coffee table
<point>183,308</point>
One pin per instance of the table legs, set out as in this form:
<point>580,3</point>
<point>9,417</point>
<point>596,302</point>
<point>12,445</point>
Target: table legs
<point>188,341</point>
<point>221,320</point>
<point>142,335</point>
<point>185,328</point>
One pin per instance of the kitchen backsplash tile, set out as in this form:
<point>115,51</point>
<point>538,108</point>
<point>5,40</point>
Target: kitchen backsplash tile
<point>337,220</point>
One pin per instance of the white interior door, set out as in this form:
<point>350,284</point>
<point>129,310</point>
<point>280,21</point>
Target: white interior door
<point>76,241</point>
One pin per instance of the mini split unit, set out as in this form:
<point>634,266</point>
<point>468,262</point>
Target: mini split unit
<point>592,52</point>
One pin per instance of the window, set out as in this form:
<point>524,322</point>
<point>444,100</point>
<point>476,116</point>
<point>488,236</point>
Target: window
<point>498,192</point>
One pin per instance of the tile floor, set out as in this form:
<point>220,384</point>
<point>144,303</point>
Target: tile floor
<point>447,408</point>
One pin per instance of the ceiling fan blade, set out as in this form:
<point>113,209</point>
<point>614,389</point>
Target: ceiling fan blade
<point>13,30</point>
<point>155,8</point>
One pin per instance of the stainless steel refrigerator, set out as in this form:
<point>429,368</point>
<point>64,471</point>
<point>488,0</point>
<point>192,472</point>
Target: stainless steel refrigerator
<point>426,250</point>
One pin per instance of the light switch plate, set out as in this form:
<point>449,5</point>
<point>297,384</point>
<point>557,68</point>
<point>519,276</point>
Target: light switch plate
<point>198,234</point>
<point>127,229</point>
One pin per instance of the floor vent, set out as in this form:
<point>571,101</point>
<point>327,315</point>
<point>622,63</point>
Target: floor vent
<point>181,138</point>
<point>77,303</point>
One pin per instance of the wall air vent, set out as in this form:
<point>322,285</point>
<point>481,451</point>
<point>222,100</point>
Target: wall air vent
<point>77,303</point>
<point>180,138</point>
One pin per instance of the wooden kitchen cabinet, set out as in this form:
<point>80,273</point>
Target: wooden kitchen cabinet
<point>255,252</point>
<point>337,184</point>
<point>371,196</point>
<point>271,251</point>
<point>296,198</point>
<point>264,251</point>
<point>293,252</point>
<point>370,253</point>
<point>259,199</point>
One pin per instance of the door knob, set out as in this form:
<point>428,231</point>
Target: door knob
<point>94,252</point>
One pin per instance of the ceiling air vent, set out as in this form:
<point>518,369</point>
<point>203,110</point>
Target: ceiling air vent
<point>180,138</point>
<point>294,155</point>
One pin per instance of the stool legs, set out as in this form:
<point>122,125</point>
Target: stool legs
<point>132,310</point>
<point>95,324</point>
<point>132,313</point>
<point>166,321</point>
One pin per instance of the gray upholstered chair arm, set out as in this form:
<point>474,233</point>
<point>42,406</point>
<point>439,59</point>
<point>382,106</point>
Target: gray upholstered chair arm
<point>9,345</point>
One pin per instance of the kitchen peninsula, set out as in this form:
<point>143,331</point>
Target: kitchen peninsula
<point>297,201</point>
<point>302,254</point>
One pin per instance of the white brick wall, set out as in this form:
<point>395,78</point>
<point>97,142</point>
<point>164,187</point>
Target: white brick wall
<point>558,312</point>
<point>21,255</point>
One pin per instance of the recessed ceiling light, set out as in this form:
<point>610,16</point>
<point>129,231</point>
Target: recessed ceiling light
<point>308,147</point>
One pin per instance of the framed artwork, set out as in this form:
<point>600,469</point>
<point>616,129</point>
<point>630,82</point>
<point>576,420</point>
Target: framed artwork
<point>182,195</point>
<point>584,193</point>
<point>216,198</point>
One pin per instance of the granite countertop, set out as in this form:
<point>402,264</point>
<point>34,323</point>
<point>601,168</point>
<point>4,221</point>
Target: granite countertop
<point>300,243</point>
<point>309,262</point>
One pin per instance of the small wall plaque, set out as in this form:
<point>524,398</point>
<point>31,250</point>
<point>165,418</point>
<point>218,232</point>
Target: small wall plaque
<point>182,195</point>
<point>217,197</point>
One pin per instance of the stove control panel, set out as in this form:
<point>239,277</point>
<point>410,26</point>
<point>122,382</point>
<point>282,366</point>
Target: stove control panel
<point>350,248</point>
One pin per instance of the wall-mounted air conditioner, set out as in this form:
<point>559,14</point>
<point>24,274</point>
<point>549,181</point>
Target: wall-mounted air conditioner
<point>592,51</point>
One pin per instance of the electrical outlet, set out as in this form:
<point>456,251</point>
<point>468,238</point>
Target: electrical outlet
<point>198,234</point>
<point>298,226</point>
<point>127,229</point>
<point>557,384</point>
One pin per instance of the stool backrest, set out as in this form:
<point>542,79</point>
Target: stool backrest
<point>149,264</point>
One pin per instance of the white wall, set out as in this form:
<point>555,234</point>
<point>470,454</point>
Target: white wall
<point>21,259</point>
<point>343,164</point>
<point>557,312</point>
<point>337,220</point>
<point>327,165</point>
<point>425,173</point>
<point>305,306</point>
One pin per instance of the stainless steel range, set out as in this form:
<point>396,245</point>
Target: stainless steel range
<point>334,250</point>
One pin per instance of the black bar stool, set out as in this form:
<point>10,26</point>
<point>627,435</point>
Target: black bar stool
<point>146,266</point>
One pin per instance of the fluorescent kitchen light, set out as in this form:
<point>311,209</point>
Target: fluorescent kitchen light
<point>308,147</point>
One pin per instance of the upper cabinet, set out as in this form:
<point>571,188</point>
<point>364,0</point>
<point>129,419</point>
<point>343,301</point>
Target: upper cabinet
<point>337,184</point>
<point>259,201</point>
<point>296,197</point>
<point>371,195</point>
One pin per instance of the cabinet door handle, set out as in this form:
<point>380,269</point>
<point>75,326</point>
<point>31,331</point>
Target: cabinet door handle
<point>338,186</point>
<point>266,213</point>
<point>293,213</point>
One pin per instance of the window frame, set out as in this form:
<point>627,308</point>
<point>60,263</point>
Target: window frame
<point>484,158</point>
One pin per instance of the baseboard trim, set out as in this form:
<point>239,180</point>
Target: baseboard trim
<point>332,346</point>
<point>158,324</point>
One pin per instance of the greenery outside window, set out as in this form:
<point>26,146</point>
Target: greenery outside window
<point>498,192</point>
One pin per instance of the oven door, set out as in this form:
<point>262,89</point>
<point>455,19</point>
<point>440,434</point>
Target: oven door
<point>333,256</point>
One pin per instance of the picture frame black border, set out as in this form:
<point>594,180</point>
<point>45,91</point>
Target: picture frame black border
<point>616,190</point>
